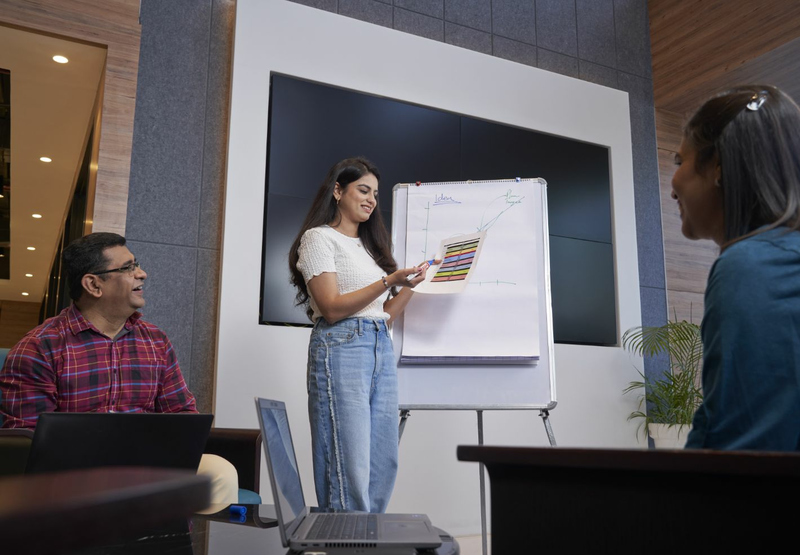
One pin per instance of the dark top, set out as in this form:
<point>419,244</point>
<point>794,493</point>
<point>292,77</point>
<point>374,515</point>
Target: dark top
<point>751,343</point>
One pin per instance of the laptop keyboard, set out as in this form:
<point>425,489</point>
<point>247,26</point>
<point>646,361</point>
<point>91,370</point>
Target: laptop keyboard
<point>342,526</point>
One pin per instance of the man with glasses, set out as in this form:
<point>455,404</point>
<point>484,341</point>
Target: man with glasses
<point>98,355</point>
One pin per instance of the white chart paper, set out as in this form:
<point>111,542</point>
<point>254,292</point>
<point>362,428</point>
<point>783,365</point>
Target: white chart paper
<point>497,313</point>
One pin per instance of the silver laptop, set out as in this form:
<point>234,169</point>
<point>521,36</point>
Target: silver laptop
<point>300,529</point>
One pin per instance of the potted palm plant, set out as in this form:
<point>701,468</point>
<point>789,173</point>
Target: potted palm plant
<point>667,405</point>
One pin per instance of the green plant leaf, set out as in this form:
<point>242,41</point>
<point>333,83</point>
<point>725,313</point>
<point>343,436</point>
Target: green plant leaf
<point>674,398</point>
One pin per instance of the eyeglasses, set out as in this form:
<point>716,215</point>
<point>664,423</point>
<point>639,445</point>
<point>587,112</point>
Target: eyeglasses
<point>127,269</point>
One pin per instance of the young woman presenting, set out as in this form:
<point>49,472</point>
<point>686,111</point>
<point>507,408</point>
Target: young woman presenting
<point>344,272</point>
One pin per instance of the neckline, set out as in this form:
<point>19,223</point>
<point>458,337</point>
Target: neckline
<point>342,234</point>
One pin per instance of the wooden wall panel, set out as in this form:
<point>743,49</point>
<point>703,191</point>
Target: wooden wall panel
<point>115,25</point>
<point>669,128</point>
<point>700,48</point>
<point>16,319</point>
<point>684,305</point>
<point>696,44</point>
<point>687,262</point>
<point>777,67</point>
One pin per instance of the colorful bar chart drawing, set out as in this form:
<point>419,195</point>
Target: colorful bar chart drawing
<point>457,261</point>
<point>459,257</point>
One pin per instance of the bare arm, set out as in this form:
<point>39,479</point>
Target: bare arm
<point>334,307</point>
<point>396,305</point>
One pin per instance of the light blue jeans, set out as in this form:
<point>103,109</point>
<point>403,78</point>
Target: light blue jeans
<point>352,406</point>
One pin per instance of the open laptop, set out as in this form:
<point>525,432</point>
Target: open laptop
<point>300,529</point>
<point>70,441</point>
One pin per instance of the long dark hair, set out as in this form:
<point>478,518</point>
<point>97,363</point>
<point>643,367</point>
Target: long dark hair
<point>753,133</point>
<point>325,211</point>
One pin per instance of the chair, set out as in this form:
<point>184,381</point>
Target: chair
<point>14,447</point>
<point>242,448</point>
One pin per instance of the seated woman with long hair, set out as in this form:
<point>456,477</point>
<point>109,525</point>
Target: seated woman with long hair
<point>738,184</point>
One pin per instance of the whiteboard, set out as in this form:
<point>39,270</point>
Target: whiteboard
<point>493,385</point>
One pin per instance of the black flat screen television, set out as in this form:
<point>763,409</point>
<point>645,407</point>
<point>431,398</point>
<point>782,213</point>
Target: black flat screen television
<point>312,126</point>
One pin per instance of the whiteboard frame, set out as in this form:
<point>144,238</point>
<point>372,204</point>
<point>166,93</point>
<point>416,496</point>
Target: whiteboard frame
<point>547,356</point>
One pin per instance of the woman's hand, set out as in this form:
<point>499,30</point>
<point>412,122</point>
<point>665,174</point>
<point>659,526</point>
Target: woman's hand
<point>410,277</point>
<point>333,306</point>
<point>396,305</point>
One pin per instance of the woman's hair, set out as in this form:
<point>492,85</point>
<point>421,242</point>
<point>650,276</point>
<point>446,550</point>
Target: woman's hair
<point>325,211</point>
<point>753,133</point>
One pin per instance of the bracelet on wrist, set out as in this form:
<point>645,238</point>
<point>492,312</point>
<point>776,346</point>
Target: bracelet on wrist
<point>385,283</point>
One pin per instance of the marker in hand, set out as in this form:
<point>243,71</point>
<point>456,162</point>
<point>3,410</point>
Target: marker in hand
<point>429,264</point>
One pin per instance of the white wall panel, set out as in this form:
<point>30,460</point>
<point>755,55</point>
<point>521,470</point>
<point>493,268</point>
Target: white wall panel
<point>270,361</point>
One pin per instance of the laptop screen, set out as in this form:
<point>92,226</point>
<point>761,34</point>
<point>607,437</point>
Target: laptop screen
<point>70,441</point>
<point>282,461</point>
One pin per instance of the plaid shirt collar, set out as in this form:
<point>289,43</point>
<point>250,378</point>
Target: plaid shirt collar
<point>77,323</point>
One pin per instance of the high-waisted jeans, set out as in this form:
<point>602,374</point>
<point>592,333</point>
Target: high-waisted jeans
<point>352,406</point>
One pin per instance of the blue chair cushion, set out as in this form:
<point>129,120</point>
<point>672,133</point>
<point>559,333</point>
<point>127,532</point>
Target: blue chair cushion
<point>247,497</point>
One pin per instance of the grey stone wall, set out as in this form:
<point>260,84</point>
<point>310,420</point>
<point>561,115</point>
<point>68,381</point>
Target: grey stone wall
<point>178,161</point>
<point>176,194</point>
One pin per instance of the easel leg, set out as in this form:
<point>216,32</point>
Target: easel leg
<point>404,414</point>
<point>483,488</point>
<point>545,414</point>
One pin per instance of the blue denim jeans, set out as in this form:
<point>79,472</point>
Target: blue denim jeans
<point>352,406</point>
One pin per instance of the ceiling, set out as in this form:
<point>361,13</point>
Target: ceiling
<point>702,47</point>
<point>51,111</point>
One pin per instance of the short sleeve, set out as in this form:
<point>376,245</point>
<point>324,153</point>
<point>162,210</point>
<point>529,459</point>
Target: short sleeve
<point>316,254</point>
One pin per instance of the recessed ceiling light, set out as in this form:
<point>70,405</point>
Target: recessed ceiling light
<point>31,248</point>
<point>45,159</point>
<point>28,275</point>
<point>37,216</point>
<point>60,59</point>
<point>24,294</point>
<point>2,196</point>
<point>2,255</point>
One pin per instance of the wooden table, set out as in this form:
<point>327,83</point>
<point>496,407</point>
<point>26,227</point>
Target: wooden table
<point>658,501</point>
<point>50,513</point>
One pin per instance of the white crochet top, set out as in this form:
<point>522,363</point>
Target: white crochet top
<point>323,249</point>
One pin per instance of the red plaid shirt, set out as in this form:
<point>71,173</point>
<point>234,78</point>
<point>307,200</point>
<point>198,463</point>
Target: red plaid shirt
<point>67,365</point>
